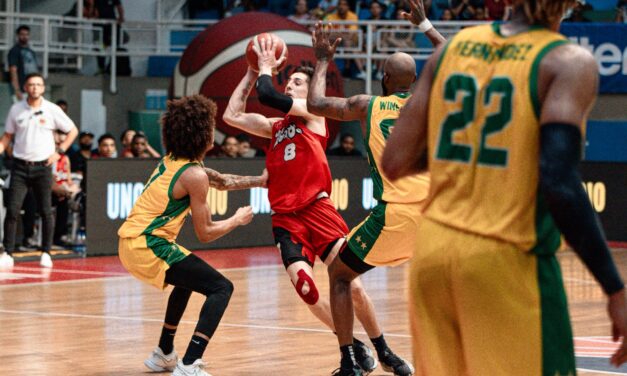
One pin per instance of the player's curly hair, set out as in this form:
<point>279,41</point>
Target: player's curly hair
<point>187,126</point>
<point>546,12</point>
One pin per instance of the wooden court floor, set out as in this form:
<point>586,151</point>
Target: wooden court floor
<point>88,317</point>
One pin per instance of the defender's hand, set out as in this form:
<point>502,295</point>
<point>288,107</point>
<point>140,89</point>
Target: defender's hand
<point>321,40</point>
<point>244,215</point>
<point>417,12</point>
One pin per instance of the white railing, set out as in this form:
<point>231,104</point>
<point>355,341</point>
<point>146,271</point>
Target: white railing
<point>77,38</point>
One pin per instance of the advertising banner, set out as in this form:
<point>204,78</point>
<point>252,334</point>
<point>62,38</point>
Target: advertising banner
<point>607,42</point>
<point>114,185</point>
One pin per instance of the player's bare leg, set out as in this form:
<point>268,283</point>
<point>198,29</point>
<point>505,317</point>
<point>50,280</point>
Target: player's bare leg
<point>301,275</point>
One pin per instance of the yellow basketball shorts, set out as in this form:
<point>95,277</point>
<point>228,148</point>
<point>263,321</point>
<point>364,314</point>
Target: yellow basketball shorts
<point>479,306</point>
<point>387,237</point>
<point>148,257</point>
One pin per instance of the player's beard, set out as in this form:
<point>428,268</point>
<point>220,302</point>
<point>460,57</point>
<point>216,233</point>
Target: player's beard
<point>385,89</point>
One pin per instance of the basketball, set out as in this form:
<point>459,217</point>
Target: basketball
<point>281,50</point>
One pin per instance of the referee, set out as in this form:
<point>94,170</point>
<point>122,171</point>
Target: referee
<point>30,125</point>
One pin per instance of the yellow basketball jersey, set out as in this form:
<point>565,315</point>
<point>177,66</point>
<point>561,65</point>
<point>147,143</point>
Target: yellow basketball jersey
<point>156,212</point>
<point>382,113</point>
<point>484,137</point>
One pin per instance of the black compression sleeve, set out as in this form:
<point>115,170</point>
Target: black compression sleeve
<point>268,95</point>
<point>560,152</point>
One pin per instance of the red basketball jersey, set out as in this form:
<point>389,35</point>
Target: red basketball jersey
<point>297,166</point>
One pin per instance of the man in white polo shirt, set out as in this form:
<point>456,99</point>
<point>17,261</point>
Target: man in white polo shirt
<point>30,125</point>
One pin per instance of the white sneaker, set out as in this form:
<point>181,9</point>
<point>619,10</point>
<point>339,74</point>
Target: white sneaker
<point>46,260</point>
<point>194,369</point>
<point>6,261</point>
<point>361,75</point>
<point>159,362</point>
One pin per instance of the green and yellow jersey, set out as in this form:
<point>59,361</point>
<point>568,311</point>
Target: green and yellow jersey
<point>484,137</point>
<point>156,212</point>
<point>382,114</point>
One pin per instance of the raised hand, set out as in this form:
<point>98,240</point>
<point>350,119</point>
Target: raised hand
<point>417,12</point>
<point>266,56</point>
<point>320,38</point>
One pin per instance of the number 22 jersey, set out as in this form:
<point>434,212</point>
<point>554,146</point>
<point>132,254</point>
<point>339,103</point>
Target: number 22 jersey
<point>297,166</point>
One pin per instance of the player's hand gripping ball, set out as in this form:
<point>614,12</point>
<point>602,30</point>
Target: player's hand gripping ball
<point>279,52</point>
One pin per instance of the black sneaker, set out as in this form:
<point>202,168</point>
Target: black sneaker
<point>393,363</point>
<point>364,358</point>
<point>355,371</point>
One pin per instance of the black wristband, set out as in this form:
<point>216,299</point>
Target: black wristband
<point>60,150</point>
<point>270,97</point>
<point>560,153</point>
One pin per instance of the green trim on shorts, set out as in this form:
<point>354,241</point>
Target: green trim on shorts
<point>166,251</point>
<point>558,353</point>
<point>367,234</point>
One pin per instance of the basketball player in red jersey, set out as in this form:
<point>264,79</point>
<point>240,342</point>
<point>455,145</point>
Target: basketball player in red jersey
<point>305,223</point>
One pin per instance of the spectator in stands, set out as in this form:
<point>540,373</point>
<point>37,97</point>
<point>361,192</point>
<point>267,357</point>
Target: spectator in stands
<point>78,158</point>
<point>346,148</point>
<point>400,39</point>
<point>495,9</point>
<point>230,147</point>
<point>89,10</point>
<point>126,140</point>
<point>376,14</point>
<point>480,14</point>
<point>621,11</point>
<point>22,61</point>
<point>107,11</point>
<point>577,13</point>
<point>196,8</point>
<point>348,33</point>
<point>30,125</point>
<point>239,6</point>
<point>301,13</point>
<point>328,6</point>
<point>139,146</point>
<point>447,15</point>
<point>106,147</point>
<point>62,103</point>
<point>63,189</point>
<point>244,150</point>
<point>465,10</point>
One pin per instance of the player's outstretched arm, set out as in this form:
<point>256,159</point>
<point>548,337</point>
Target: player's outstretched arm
<point>568,84</point>
<point>228,182</point>
<point>236,116</point>
<point>418,17</point>
<point>353,108</point>
<point>406,150</point>
<point>194,182</point>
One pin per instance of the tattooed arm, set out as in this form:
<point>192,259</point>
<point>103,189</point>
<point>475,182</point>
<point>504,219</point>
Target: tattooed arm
<point>228,182</point>
<point>353,108</point>
<point>236,116</point>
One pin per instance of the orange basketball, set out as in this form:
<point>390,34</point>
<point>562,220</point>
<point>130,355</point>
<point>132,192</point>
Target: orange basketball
<point>281,50</point>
